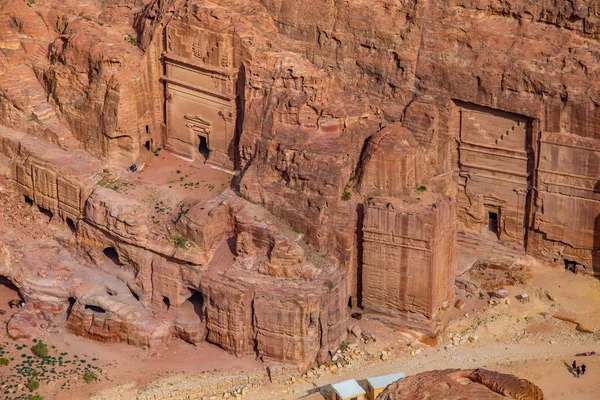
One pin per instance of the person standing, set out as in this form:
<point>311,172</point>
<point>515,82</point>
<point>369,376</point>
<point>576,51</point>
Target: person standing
<point>574,365</point>
<point>583,368</point>
<point>578,371</point>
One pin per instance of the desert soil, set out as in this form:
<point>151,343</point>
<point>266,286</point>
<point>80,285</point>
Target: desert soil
<point>519,338</point>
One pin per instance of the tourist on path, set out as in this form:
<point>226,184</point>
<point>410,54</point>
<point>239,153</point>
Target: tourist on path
<point>574,365</point>
<point>578,370</point>
<point>583,368</point>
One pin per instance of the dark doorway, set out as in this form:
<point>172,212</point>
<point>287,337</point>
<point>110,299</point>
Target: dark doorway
<point>147,129</point>
<point>28,200</point>
<point>493,222</point>
<point>47,213</point>
<point>570,265</point>
<point>147,145</point>
<point>203,147</point>
<point>70,308</point>
<point>167,303</point>
<point>192,308</point>
<point>112,255</point>
<point>71,225</point>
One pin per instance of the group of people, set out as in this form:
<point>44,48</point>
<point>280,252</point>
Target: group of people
<point>578,370</point>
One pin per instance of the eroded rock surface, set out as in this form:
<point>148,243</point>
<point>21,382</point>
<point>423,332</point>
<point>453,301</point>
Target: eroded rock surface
<point>462,384</point>
<point>361,137</point>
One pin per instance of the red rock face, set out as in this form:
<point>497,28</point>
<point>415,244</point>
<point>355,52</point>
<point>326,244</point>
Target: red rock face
<point>368,127</point>
<point>461,384</point>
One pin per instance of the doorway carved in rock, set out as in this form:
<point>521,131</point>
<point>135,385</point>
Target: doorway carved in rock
<point>200,129</point>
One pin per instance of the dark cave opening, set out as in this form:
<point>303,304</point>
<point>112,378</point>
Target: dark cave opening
<point>71,225</point>
<point>111,254</point>
<point>96,309</point>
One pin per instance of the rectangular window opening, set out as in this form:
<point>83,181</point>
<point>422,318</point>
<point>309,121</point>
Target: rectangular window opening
<point>493,221</point>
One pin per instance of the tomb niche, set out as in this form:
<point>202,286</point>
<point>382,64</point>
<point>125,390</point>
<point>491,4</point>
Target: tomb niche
<point>200,94</point>
<point>495,171</point>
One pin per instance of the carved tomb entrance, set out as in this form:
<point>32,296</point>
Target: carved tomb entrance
<point>200,94</point>
<point>495,158</point>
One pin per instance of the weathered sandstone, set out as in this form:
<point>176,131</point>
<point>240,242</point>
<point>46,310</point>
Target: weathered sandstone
<point>461,384</point>
<point>361,136</point>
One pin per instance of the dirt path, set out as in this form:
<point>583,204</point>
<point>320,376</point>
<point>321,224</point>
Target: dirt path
<point>541,363</point>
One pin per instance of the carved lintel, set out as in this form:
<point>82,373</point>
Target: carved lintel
<point>198,125</point>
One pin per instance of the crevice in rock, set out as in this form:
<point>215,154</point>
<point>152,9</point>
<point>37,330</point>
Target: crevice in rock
<point>96,309</point>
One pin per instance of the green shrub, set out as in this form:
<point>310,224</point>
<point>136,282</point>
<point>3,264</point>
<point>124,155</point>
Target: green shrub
<point>346,196</point>
<point>179,240</point>
<point>32,384</point>
<point>36,397</point>
<point>329,284</point>
<point>4,361</point>
<point>129,38</point>
<point>421,189</point>
<point>40,349</point>
<point>89,377</point>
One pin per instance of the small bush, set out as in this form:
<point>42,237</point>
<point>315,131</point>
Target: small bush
<point>344,346</point>
<point>32,384</point>
<point>296,230</point>
<point>36,397</point>
<point>346,196</point>
<point>129,38</point>
<point>179,240</point>
<point>89,377</point>
<point>421,189</point>
<point>329,284</point>
<point>4,361</point>
<point>40,349</point>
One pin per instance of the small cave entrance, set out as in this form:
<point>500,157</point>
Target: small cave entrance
<point>70,307</point>
<point>110,291</point>
<point>147,129</point>
<point>192,308</point>
<point>166,303</point>
<point>71,225</point>
<point>573,266</point>
<point>203,147</point>
<point>46,212</point>
<point>147,145</point>
<point>112,255</point>
<point>95,309</point>
<point>493,222</point>
<point>28,200</point>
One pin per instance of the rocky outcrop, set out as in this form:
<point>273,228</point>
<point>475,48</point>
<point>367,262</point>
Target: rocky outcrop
<point>460,384</point>
<point>263,293</point>
<point>366,126</point>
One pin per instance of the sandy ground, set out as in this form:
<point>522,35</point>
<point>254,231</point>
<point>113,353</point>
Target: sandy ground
<point>120,363</point>
<point>168,185</point>
<point>514,338</point>
<point>517,338</point>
